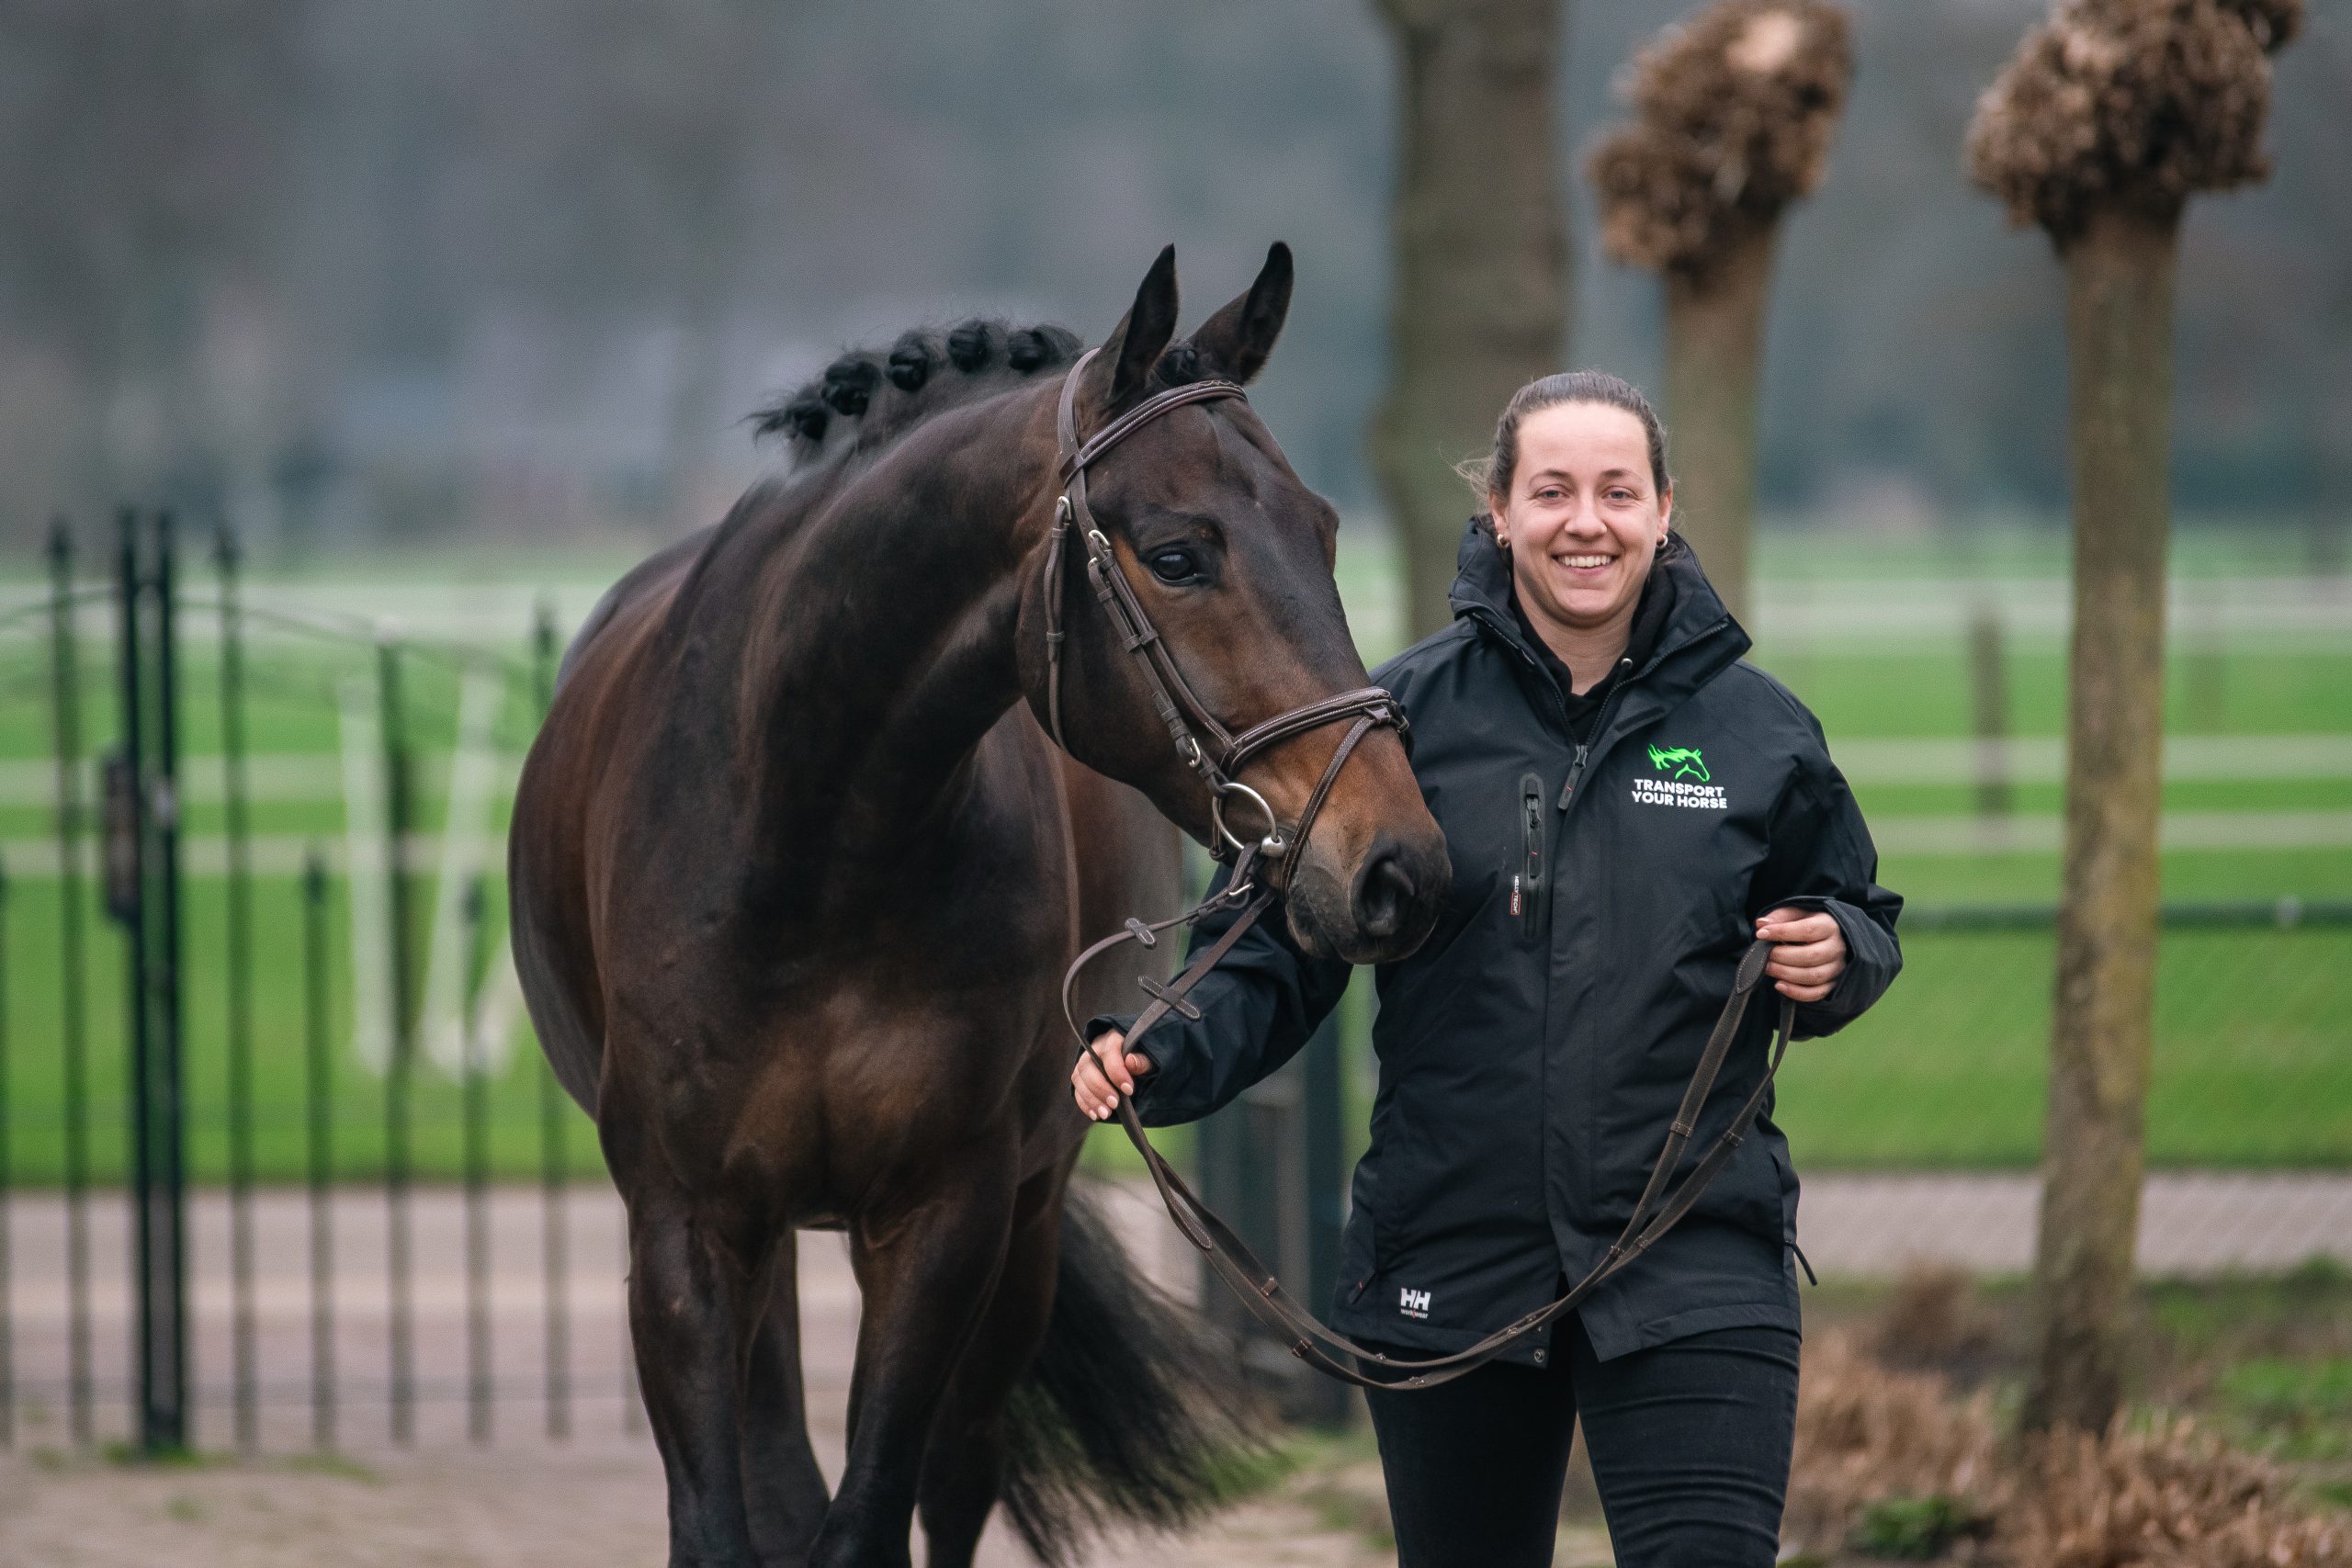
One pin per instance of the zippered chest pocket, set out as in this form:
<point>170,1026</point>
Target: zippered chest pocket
<point>1529,890</point>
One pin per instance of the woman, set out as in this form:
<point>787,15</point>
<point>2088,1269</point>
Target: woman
<point>1626,807</point>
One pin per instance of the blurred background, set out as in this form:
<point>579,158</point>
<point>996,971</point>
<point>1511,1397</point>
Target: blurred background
<point>426,320</point>
<point>446,275</point>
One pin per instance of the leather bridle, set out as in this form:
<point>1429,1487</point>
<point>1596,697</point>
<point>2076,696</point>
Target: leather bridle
<point>1260,875</point>
<point>1201,740</point>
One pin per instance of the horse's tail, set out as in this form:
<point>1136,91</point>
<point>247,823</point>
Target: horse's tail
<point>1128,1415</point>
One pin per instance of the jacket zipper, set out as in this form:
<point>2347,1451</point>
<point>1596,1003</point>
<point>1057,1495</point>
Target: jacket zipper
<point>1530,891</point>
<point>1584,748</point>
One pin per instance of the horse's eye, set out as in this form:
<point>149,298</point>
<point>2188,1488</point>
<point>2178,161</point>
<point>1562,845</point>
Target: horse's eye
<point>1173,565</point>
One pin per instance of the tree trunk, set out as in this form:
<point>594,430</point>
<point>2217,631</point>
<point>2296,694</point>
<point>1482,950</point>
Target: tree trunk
<point>1714,345</point>
<point>2119,334</point>
<point>1479,239</point>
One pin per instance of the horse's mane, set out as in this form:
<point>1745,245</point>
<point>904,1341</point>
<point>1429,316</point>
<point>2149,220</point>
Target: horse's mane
<point>869,398</point>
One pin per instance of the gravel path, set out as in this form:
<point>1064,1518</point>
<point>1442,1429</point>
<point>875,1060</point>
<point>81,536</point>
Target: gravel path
<point>522,1500</point>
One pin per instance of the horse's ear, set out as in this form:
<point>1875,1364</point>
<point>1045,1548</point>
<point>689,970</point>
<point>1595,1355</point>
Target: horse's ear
<point>1129,353</point>
<point>1238,338</point>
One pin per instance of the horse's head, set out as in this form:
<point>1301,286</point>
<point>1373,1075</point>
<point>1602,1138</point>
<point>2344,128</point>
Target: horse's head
<point>1230,556</point>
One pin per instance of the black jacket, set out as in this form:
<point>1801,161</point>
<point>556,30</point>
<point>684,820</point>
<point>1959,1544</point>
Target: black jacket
<point>1533,1050</point>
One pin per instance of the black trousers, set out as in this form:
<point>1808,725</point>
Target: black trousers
<point>1689,1442</point>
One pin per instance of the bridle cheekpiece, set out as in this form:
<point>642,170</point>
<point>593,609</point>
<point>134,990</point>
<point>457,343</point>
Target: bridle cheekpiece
<point>1201,739</point>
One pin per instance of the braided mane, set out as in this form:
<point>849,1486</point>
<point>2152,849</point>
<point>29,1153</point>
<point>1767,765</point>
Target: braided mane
<point>871,397</point>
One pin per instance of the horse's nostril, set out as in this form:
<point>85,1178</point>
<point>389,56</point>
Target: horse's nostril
<point>1384,892</point>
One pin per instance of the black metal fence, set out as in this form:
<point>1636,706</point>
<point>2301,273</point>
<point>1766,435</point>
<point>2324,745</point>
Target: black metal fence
<point>137,838</point>
<point>227,1217</point>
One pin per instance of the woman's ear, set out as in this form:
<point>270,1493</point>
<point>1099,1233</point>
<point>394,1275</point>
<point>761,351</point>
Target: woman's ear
<point>1665,512</point>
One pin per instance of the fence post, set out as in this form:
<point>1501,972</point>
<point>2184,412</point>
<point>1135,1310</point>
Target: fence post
<point>318,1084</point>
<point>556,1240</point>
<point>1326,1401</point>
<point>401,1061</point>
<point>246,1351</point>
<point>7,1170</point>
<point>475,1083</point>
<point>145,817</point>
<point>1988,680</point>
<point>65,737</point>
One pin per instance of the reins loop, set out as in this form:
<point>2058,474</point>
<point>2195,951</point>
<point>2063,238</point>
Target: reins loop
<point>1260,873</point>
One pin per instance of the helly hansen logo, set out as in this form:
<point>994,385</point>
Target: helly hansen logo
<point>1413,1304</point>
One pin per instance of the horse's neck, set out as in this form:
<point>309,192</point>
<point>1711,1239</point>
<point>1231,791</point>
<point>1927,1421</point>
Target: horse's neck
<point>882,645</point>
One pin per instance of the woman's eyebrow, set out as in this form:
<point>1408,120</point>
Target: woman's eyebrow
<point>1564,474</point>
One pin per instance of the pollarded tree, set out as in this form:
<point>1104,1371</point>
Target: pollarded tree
<point>2109,117</point>
<point>1478,232</point>
<point>1733,115</point>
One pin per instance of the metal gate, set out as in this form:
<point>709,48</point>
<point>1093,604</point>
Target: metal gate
<point>280,1106</point>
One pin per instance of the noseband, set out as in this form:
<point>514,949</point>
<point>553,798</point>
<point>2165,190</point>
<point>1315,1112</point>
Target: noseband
<point>1201,739</point>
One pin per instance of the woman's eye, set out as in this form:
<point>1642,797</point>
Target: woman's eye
<point>1174,566</point>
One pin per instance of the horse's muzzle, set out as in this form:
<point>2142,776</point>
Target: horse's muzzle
<point>1375,912</point>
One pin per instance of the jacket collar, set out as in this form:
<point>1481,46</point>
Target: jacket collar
<point>1698,641</point>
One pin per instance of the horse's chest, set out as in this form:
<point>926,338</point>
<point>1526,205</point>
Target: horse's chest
<point>828,1093</point>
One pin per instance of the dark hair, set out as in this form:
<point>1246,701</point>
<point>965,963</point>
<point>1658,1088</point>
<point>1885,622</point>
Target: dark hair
<point>1493,475</point>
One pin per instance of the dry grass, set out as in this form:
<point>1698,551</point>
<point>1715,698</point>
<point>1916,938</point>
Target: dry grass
<point>2171,1498</point>
<point>1867,1433</point>
<point>1891,1458</point>
<point>1936,1322</point>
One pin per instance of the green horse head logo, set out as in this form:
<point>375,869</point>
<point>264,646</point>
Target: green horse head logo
<point>1679,762</point>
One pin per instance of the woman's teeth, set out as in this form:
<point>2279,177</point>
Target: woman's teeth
<point>1585,561</point>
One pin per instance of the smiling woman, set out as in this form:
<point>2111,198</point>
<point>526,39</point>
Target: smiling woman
<point>1580,500</point>
<point>1627,807</point>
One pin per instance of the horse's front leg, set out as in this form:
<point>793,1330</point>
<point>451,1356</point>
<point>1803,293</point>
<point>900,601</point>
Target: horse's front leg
<point>693,1307</point>
<point>927,1261</point>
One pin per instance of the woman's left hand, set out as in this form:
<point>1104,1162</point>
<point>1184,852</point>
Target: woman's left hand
<point>1811,954</point>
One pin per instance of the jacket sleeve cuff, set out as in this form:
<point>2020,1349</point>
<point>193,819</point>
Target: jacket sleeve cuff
<point>1865,976</point>
<point>1146,1083</point>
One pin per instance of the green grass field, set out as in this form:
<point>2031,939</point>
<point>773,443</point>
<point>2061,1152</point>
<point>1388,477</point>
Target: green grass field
<point>2254,1058</point>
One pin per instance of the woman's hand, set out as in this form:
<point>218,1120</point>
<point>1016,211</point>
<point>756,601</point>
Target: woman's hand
<point>1812,954</point>
<point>1107,1063</point>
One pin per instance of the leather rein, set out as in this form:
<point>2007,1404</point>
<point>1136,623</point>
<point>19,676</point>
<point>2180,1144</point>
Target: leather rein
<point>1261,876</point>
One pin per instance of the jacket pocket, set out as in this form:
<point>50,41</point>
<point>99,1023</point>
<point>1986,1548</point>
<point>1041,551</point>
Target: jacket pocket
<point>1530,889</point>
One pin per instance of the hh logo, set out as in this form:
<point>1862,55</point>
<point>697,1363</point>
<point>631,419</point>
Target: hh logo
<point>1413,1304</point>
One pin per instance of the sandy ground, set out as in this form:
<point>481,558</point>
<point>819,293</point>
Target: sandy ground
<point>558,1509</point>
<point>528,1508</point>
<point>519,1501</point>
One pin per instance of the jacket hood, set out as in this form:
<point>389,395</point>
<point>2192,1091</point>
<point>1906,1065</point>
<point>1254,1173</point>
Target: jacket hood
<point>1698,639</point>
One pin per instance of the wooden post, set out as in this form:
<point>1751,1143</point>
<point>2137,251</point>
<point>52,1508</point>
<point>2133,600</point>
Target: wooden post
<point>1988,690</point>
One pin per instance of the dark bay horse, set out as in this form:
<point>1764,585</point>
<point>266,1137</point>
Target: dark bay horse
<point>796,871</point>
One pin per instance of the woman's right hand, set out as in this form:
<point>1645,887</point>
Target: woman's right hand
<point>1107,1071</point>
